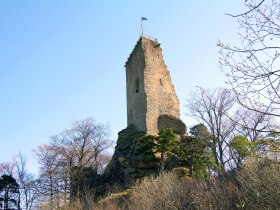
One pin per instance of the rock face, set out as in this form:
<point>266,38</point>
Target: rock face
<point>127,164</point>
<point>150,92</point>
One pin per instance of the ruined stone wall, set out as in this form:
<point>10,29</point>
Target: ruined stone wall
<point>150,92</point>
<point>136,98</point>
<point>161,96</point>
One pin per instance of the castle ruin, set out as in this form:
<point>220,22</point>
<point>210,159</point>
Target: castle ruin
<point>152,104</point>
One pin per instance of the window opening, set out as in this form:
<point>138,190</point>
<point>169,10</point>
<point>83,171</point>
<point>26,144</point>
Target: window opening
<point>137,85</point>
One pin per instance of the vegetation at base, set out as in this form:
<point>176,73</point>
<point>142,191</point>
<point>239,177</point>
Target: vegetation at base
<point>165,145</point>
<point>195,152</point>
<point>191,151</point>
<point>255,185</point>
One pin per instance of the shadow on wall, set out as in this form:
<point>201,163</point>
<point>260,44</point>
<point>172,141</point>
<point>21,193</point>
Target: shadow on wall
<point>169,121</point>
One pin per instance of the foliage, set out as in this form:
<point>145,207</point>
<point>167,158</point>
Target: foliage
<point>146,146</point>
<point>165,145</point>
<point>9,192</point>
<point>268,147</point>
<point>241,145</point>
<point>200,131</point>
<point>242,148</point>
<point>225,119</point>
<point>194,151</point>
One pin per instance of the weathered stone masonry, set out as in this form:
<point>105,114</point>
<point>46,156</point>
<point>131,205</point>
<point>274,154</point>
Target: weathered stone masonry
<point>150,93</point>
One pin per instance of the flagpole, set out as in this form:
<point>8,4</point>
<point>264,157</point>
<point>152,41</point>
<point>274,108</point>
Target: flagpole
<point>142,30</point>
<point>141,27</point>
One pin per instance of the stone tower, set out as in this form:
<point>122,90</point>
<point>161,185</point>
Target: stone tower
<point>152,103</point>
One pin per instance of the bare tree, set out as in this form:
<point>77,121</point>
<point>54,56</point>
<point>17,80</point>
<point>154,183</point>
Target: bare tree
<point>212,109</point>
<point>82,146</point>
<point>49,174</point>
<point>28,185</point>
<point>253,125</point>
<point>27,182</point>
<point>252,67</point>
<point>7,168</point>
<point>70,157</point>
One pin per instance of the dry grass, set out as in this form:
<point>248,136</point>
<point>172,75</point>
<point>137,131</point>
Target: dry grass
<point>167,191</point>
<point>255,185</point>
<point>259,181</point>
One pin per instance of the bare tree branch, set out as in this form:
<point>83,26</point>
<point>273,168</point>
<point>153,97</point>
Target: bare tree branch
<point>253,67</point>
<point>245,13</point>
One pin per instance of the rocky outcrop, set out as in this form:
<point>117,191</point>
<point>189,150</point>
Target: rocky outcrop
<point>169,121</point>
<point>128,164</point>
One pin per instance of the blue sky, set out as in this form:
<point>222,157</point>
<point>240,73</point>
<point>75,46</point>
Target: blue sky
<point>62,61</point>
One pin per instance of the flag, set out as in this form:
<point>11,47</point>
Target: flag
<point>144,18</point>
